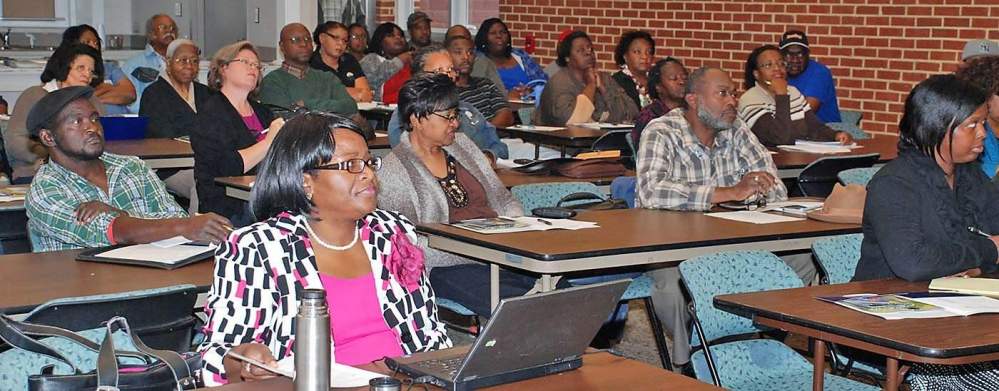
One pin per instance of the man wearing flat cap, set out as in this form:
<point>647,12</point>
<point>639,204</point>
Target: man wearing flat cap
<point>84,197</point>
<point>811,77</point>
<point>418,27</point>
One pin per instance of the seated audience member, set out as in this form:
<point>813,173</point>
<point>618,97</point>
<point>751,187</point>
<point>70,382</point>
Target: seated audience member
<point>438,175</point>
<point>171,103</point>
<point>144,68</point>
<point>810,77</point>
<point>387,55</point>
<point>297,85</point>
<point>418,26</point>
<point>579,92</point>
<point>481,66</point>
<point>85,197</point>
<point>695,156</point>
<point>476,91</point>
<point>434,59</point>
<point>553,67</point>
<point>229,137</point>
<point>979,47</point>
<point>920,204</point>
<point>316,195</point>
<point>357,42</point>
<point>666,84</point>
<point>331,45</point>
<point>516,68</point>
<point>776,112</point>
<point>116,92</point>
<point>634,54</point>
<point>70,66</point>
<point>984,71</point>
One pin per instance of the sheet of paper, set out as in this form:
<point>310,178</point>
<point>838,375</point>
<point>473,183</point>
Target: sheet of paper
<point>13,193</point>
<point>369,106</point>
<point>341,376</point>
<point>520,102</point>
<point>605,125</point>
<point>753,217</point>
<point>171,242</point>
<point>536,128</point>
<point>521,224</point>
<point>825,144</point>
<point>151,253</point>
<point>381,134</point>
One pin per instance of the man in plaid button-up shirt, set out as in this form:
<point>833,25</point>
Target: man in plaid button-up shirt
<point>84,197</point>
<point>691,158</point>
<point>701,155</point>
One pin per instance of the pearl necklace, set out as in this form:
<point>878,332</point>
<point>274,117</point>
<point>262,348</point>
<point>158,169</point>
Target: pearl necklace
<point>327,245</point>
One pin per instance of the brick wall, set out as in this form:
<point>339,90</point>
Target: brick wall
<point>877,49</point>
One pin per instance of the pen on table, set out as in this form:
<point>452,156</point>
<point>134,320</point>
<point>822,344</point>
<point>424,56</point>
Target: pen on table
<point>978,232</point>
<point>545,222</point>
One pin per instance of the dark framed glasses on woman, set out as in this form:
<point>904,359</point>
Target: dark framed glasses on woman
<point>353,166</point>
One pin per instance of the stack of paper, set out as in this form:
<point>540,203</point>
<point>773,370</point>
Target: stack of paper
<point>536,128</point>
<point>376,106</point>
<point>13,193</point>
<point>754,217</point>
<point>820,147</point>
<point>605,125</point>
<point>797,208</point>
<point>977,286</point>
<point>499,225</point>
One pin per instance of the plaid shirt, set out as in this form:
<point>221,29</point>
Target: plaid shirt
<point>676,171</point>
<point>56,192</point>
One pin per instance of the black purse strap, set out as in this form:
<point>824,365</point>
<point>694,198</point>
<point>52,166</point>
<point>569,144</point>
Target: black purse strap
<point>580,196</point>
<point>10,332</point>
<point>107,362</point>
<point>40,330</point>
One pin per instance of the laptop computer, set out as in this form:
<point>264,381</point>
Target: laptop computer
<point>527,337</point>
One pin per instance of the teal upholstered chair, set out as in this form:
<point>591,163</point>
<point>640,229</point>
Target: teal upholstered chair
<point>744,364</point>
<point>548,194</point>
<point>850,123</point>
<point>857,176</point>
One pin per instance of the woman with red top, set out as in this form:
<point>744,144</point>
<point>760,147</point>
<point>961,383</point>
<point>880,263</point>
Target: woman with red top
<point>318,192</point>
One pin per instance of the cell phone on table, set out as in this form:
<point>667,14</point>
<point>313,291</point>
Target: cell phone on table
<point>258,364</point>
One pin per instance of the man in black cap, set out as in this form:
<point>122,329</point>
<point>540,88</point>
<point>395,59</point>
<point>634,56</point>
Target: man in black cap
<point>84,197</point>
<point>813,79</point>
<point>418,26</point>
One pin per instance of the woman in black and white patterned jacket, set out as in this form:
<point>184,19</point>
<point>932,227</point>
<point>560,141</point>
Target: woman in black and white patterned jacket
<point>318,190</point>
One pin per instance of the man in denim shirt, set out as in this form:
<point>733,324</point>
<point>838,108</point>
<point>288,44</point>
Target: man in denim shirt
<point>144,68</point>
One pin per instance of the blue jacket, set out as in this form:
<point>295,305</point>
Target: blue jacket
<point>471,122</point>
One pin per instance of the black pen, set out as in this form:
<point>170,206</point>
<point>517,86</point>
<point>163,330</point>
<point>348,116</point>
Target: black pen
<point>978,232</point>
<point>545,222</point>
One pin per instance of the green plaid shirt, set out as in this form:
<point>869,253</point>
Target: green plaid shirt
<point>56,192</point>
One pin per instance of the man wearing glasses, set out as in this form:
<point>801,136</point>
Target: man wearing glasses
<point>813,79</point>
<point>297,86</point>
<point>144,68</point>
<point>695,156</point>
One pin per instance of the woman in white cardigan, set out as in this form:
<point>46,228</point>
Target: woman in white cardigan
<point>437,175</point>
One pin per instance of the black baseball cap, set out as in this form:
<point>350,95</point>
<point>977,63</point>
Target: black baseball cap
<point>50,105</point>
<point>794,37</point>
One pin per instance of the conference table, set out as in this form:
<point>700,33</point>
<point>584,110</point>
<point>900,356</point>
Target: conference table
<point>948,341</point>
<point>600,371</point>
<point>34,278</point>
<point>626,237</point>
<point>156,152</point>
<point>562,138</point>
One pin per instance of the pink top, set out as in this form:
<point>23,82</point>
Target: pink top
<point>256,128</point>
<point>360,334</point>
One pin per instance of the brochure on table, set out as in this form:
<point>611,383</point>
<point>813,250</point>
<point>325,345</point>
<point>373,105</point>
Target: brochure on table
<point>914,305</point>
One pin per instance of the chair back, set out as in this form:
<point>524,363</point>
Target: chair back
<point>852,117</point>
<point>723,273</point>
<point>162,317</point>
<point>537,86</point>
<point>617,140</point>
<point>838,257</point>
<point>818,178</point>
<point>537,195</point>
<point>623,188</point>
<point>857,176</point>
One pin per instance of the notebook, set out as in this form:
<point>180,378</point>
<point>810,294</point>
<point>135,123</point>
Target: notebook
<point>149,255</point>
<point>527,337</point>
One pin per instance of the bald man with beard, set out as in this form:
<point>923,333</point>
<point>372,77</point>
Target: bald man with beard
<point>482,66</point>
<point>296,85</point>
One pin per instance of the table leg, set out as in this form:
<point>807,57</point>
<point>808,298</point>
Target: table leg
<point>563,151</point>
<point>819,362</point>
<point>494,296</point>
<point>891,374</point>
<point>546,282</point>
<point>537,151</point>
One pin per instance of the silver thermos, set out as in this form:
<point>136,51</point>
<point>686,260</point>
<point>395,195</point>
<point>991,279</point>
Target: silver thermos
<point>312,342</point>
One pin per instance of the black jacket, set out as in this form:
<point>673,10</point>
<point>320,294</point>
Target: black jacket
<point>629,87</point>
<point>168,113</point>
<point>916,227</point>
<point>218,135</point>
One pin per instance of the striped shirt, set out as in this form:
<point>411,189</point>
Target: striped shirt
<point>676,171</point>
<point>56,192</point>
<point>757,102</point>
<point>483,95</point>
<point>782,119</point>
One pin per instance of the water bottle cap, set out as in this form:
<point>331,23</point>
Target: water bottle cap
<point>316,294</point>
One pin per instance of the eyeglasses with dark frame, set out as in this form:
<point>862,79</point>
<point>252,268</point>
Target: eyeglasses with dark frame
<point>451,117</point>
<point>353,166</point>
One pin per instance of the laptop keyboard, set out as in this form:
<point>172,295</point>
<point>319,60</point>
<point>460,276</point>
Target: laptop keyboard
<point>447,366</point>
